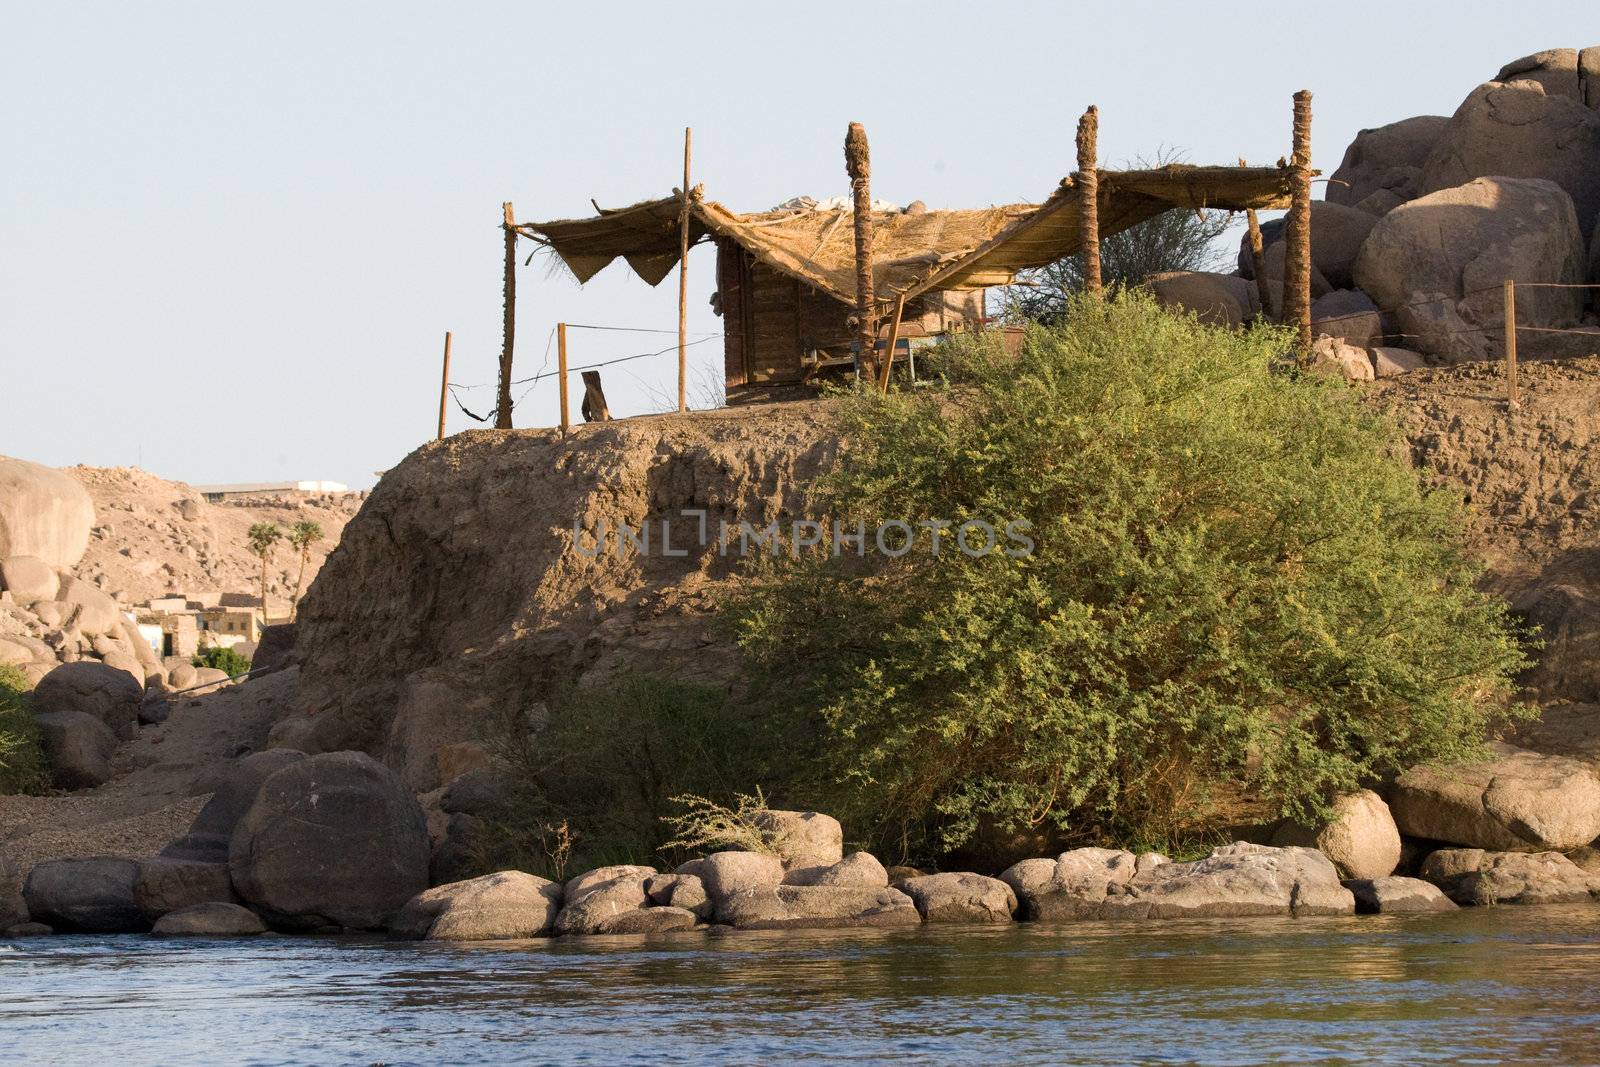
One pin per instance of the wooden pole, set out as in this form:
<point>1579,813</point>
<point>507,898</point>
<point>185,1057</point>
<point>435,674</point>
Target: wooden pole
<point>1297,230</point>
<point>894,339</point>
<point>444,384</point>
<point>683,283</point>
<point>1089,199</point>
<point>502,407</point>
<point>858,164</point>
<point>561,372</point>
<point>1511,345</point>
<point>1253,223</point>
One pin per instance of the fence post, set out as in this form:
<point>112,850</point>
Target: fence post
<point>1511,344</point>
<point>444,384</point>
<point>502,408</point>
<point>683,282</point>
<point>561,371</point>
<point>1089,199</point>
<point>894,339</point>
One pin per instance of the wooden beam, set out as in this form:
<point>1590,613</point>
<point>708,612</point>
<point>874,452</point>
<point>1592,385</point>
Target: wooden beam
<point>894,339</point>
<point>683,283</point>
<point>444,384</point>
<point>1512,399</point>
<point>502,407</point>
<point>1088,182</point>
<point>1297,230</point>
<point>561,373</point>
<point>858,164</point>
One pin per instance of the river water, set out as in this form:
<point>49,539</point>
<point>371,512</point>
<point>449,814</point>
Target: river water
<point>1485,985</point>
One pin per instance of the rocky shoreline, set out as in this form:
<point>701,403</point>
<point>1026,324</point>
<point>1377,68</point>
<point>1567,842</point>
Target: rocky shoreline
<point>335,843</point>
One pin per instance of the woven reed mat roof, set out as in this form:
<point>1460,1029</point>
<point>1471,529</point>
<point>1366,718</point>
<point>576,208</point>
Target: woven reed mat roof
<point>912,253</point>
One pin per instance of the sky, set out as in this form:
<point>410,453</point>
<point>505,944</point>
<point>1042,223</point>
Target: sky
<point>232,236</point>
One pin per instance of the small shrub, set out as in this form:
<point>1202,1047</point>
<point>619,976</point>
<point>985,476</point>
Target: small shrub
<point>227,660</point>
<point>706,826</point>
<point>591,779</point>
<point>24,768</point>
<point>1239,601</point>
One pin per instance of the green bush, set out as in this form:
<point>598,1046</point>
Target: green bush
<point>1239,601</point>
<point>595,774</point>
<point>23,765</point>
<point>223,659</point>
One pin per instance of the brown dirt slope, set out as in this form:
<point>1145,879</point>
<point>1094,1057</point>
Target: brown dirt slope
<point>153,536</point>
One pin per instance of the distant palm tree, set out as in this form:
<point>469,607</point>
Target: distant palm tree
<point>263,537</point>
<point>302,536</point>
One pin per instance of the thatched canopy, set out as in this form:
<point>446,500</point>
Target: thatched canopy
<point>912,253</point>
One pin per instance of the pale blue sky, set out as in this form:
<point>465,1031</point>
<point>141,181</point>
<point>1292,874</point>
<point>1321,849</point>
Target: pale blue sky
<point>232,236</point>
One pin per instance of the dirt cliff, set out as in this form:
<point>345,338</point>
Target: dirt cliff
<point>457,593</point>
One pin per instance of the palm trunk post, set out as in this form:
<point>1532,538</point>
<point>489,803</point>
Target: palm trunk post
<point>858,163</point>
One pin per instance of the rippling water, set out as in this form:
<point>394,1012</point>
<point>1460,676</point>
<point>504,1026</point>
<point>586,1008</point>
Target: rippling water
<point>1479,986</point>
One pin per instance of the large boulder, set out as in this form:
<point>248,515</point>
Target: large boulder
<point>582,885</point>
<point>331,840</point>
<point>165,885</point>
<point>1518,130</point>
<point>92,895</point>
<point>28,579</point>
<point>793,907</point>
<point>505,905</point>
<point>727,873</point>
<point>1348,315</point>
<point>1437,264</point>
<point>1516,801</point>
<point>1555,69</point>
<point>803,838</point>
<point>13,908</point>
<point>212,919</point>
<point>89,610</point>
<point>1361,838</point>
<point>607,906</point>
<point>1333,357</point>
<point>859,869</point>
<point>1071,886</point>
<point>1216,299</point>
<point>79,746</point>
<point>1476,876</point>
<point>109,694</point>
<point>233,789</point>
<point>43,512</point>
<point>960,898</point>
<point>1272,264</point>
<point>684,891</point>
<point>1385,158</point>
<point>1390,362</point>
<point>1397,896</point>
<point>1337,232</point>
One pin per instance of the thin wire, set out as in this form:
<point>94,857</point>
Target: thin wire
<point>625,329</point>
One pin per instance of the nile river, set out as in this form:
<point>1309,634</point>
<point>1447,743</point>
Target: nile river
<point>1489,985</point>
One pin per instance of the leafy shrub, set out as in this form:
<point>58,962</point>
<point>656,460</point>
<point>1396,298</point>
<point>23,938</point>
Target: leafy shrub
<point>1238,595</point>
<point>592,777</point>
<point>223,659</point>
<point>23,765</point>
<point>707,826</point>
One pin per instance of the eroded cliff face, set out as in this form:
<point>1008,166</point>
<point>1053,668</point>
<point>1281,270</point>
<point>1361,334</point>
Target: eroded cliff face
<point>457,594</point>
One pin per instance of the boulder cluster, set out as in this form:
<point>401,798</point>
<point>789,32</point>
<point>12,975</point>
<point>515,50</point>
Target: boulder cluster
<point>336,842</point>
<point>1426,218</point>
<point>96,677</point>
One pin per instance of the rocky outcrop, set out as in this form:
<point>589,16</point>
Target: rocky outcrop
<point>607,901</point>
<point>28,579</point>
<point>331,840</point>
<point>215,919</point>
<point>1385,159</point>
<point>89,895</point>
<point>105,692</point>
<point>1071,886</point>
<point>505,905</point>
<point>1515,801</point>
<point>1518,130</point>
<point>684,891</point>
<point>1476,876</point>
<point>1390,362</point>
<point>165,885</point>
<point>725,874</point>
<point>44,513</point>
<point>960,898</point>
<point>1347,315</point>
<point>1437,264</point>
<point>803,839</point>
<point>1554,69</point>
<point>1397,896</point>
<point>233,789</point>
<point>1361,838</point>
<point>798,907</point>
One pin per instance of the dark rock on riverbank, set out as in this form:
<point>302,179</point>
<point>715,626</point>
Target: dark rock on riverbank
<point>88,895</point>
<point>214,919</point>
<point>1394,896</point>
